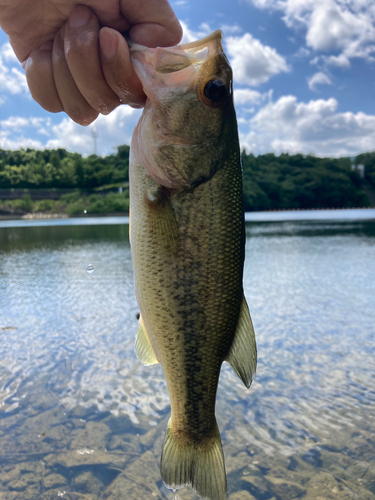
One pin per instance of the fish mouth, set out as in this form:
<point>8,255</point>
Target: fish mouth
<point>160,63</point>
<point>194,47</point>
<point>169,60</point>
<point>192,52</point>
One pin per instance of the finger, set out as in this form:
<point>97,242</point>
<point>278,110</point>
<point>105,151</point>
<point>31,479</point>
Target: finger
<point>82,55</point>
<point>118,70</point>
<point>153,22</point>
<point>108,14</point>
<point>73,102</point>
<point>40,78</point>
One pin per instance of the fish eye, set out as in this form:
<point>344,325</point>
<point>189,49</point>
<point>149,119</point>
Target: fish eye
<point>215,91</point>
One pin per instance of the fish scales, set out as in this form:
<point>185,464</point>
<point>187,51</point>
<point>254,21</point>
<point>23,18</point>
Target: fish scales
<point>187,241</point>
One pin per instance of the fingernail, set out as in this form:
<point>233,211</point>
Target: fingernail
<point>80,17</point>
<point>108,43</point>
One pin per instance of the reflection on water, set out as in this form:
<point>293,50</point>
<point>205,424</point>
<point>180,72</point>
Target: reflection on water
<point>82,418</point>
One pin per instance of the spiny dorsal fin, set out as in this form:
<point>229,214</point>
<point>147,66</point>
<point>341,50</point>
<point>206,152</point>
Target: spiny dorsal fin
<point>242,355</point>
<point>143,348</point>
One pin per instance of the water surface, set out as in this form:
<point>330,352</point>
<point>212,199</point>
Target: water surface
<point>81,417</point>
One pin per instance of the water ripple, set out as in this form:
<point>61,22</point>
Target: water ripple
<point>67,338</point>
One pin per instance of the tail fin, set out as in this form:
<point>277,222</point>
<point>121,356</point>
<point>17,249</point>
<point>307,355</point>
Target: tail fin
<point>201,465</point>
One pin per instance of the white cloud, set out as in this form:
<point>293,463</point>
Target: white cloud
<point>18,142</point>
<point>342,60</point>
<point>190,35</point>
<point>12,79</point>
<point>253,63</point>
<point>284,125</point>
<point>313,127</point>
<point>8,54</point>
<point>15,132</point>
<point>230,29</point>
<point>294,10</point>
<point>17,122</point>
<point>302,53</point>
<point>247,96</point>
<point>331,27</point>
<point>113,130</point>
<point>346,27</point>
<point>318,79</point>
<point>14,122</point>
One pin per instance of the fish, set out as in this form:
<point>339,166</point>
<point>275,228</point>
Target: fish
<point>187,237</point>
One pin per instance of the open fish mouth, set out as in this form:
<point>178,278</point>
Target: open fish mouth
<point>165,60</point>
<point>155,66</point>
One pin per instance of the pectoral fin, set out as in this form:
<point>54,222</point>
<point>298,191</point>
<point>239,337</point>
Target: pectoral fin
<point>143,348</point>
<point>242,355</point>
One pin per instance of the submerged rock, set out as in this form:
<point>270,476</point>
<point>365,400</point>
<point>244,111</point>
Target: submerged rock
<point>94,435</point>
<point>123,487</point>
<point>363,472</point>
<point>54,480</point>
<point>87,483</point>
<point>285,489</point>
<point>256,485</point>
<point>324,486</point>
<point>139,480</point>
<point>86,456</point>
<point>144,470</point>
<point>241,495</point>
<point>186,493</point>
<point>239,462</point>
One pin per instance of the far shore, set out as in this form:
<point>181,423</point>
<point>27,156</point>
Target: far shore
<point>43,215</point>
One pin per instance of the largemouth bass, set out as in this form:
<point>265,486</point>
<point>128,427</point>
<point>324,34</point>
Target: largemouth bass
<point>187,241</point>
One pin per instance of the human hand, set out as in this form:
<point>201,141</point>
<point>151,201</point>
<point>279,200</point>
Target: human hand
<point>74,65</point>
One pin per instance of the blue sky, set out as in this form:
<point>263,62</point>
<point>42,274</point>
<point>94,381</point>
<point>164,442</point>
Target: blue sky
<point>304,79</point>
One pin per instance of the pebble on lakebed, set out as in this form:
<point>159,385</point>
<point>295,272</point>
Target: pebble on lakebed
<point>80,457</point>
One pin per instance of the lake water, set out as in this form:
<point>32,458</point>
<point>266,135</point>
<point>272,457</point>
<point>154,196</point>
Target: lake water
<point>81,417</point>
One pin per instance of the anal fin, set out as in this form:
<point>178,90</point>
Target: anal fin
<point>143,348</point>
<point>242,354</point>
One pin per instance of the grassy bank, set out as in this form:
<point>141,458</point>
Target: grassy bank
<point>72,204</point>
<point>56,181</point>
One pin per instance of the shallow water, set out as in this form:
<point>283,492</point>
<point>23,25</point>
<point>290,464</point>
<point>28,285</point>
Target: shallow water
<point>81,417</point>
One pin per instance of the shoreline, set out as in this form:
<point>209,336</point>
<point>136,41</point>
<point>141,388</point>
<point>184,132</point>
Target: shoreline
<point>297,215</point>
<point>48,216</point>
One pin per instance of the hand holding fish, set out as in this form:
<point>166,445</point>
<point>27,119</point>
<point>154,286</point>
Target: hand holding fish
<point>75,58</point>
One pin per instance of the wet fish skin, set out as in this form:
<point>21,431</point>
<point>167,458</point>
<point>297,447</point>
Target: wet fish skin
<point>187,241</point>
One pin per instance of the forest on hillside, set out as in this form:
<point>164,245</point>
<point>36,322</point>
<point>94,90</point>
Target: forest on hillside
<point>301,182</point>
<point>57,168</point>
<point>270,182</point>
